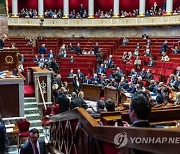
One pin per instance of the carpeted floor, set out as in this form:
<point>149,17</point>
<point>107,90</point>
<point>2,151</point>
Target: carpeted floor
<point>29,91</point>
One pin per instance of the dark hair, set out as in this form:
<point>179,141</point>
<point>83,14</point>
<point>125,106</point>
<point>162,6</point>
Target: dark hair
<point>110,105</point>
<point>158,90</point>
<point>141,105</point>
<point>34,131</point>
<point>100,104</point>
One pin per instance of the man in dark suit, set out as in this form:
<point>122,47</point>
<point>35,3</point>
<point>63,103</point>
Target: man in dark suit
<point>159,97</point>
<point>164,46</point>
<point>42,49</point>
<point>81,10</point>
<point>78,49</point>
<point>34,145</point>
<point>101,69</point>
<point>63,101</point>
<point>3,137</point>
<point>110,60</point>
<point>96,48</point>
<point>1,43</point>
<point>151,62</point>
<point>77,102</point>
<point>139,111</point>
<point>87,80</point>
<point>79,74</point>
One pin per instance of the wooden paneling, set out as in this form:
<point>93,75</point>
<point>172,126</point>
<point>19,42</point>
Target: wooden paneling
<point>9,100</point>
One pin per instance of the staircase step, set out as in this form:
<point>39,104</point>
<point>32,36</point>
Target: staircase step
<point>34,116</point>
<point>29,99</point>
<point>12,149</point>
<point>30,104</point>
<point>31,110</point>
<point>35,123</point>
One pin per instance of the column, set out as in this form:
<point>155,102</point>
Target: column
<point>169,7</point>
<point>41,8</point>
<point>91,8</point>
<point>142,7</point>
<point>66,8</point>
<point>116,8</point>
<point>14,8</point>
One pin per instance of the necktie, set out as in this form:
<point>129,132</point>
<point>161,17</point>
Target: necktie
<point>36,149</point>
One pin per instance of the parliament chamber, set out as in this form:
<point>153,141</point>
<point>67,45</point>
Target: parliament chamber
<point>85,73</point>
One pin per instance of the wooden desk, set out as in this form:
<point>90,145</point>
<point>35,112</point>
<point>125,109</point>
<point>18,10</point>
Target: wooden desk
<point>14,134</point>
<point>111,93</point>
<point>12,97</point>
<point>91,92</point>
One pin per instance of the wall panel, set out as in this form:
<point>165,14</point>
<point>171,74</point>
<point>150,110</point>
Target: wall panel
<point>129,5</point>
<point>53,4</point>
<point>104,5</point>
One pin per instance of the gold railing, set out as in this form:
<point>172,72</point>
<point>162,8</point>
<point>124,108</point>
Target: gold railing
<point>112,22</point>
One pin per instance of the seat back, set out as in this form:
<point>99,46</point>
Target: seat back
<point>56,109</point>
<point>23,125</point>
<point>48,111</point>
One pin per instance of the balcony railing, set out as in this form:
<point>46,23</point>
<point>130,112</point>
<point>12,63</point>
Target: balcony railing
<point>112,22</point>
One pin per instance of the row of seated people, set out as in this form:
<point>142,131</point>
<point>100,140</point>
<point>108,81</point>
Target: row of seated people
<point>127,58</point>
<point>82,13</point>
<point>149,44</point>
<point>78,50</point>
<point>161,91</point>
<point>132,79</point>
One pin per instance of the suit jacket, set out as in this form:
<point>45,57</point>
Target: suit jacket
<point>110,60</point>
<point>77,87</point>
<point>80,75</point>
<point>1,44</point>
<point>28,149</point>
<point>149,76</point>
<point>151,63</point>
<point>77,102</point>
<point>101,70</point>
<point>141,124</point>
<point>159,98</point>
<point>164,47</point>
<point>96,49</point>
<point>42,50</point>
<point>3,139</point>
<point>95,80</point>
<point>78,50</point>
<point>87,81</point>
<point>63,102</point>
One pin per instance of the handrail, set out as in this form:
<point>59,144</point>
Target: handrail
<point>41,92</point>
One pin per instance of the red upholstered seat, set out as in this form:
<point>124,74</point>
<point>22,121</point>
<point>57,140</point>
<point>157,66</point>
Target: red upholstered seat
<point>47,111</point>
<point>46,114</point>
<point>24,134</point>
<point>157,77</point>
<point>45,122</point>
<point>169,72</point>
<point>161,71</point>
<point>154,70</point>
<point>56,109</point>
<point>23,126</point>
<point>23,130</point>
